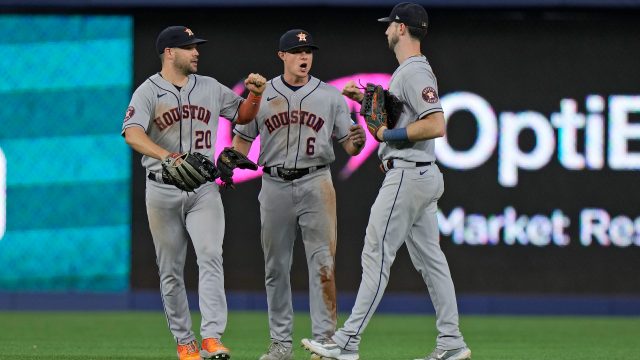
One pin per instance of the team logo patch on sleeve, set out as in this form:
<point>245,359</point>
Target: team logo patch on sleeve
<point>130,111</point>
<point>430,95</point>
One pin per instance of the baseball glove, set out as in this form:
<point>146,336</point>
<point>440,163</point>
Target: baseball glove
<point>393,105</point>
<point>379,108</point>
<point>230,159</point>
<point>188,171</point>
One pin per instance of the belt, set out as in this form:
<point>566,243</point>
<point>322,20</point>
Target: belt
<point>398,163</point>
<point>290,174</point>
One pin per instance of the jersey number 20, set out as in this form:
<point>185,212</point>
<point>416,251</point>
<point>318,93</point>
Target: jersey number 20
<point>203,139</point>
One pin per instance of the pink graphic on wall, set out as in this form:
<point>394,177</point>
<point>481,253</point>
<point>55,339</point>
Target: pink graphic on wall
<point>225,129</point>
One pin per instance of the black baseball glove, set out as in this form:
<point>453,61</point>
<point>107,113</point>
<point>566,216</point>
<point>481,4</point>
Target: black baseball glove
<point>230,159</point>
<point>393,105</point>
<point>188,171</point>
<point>379,108</point>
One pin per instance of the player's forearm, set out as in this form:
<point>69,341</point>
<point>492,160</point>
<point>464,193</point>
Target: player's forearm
<point>429,127</point>
<point>248,109</point>
<point>241,145</point>
<point>140,142</point>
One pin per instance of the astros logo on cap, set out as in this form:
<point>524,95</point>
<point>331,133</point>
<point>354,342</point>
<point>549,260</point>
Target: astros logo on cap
<point>302,37</point>
<point>188,31</point>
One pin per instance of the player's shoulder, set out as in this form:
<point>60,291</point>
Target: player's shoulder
<point>150,85</point>
<point>415,69</point>
<point>415,64</point>
<point>329,89</point>
<point>204,79</point>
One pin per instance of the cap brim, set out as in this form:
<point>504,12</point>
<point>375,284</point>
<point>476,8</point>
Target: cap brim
<point>192,41</point>
<point>385,19</point>
<point>314,47</point>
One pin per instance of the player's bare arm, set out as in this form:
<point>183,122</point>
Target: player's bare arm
<point>137,138</point>
<point>352,91</point>
<point>354,144</point>
<point>248,110</point>
<point>429,127</point>
<point>241,145</point>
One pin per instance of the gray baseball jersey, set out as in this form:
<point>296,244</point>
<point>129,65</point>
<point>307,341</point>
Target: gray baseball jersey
<point>296,130</point>
<point>296,127</point>
<point>405,212</point>
<point>185,120</point>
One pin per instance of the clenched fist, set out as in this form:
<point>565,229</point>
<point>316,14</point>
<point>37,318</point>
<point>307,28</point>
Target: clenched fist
<point>357,135</point>
<point>352,91</point>
<point>255,83</point>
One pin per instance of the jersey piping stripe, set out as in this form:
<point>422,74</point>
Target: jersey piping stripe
<point>179,106</point>
<point>164,306</point>
<point>295,164</point>
<point>429,112</point>
<point>343,138</point>
<point>235,115</point>
<point>195,82</point>
<point>382,253</point>
<point>286,155</point>
<point>132,125</point>
<point>243,135</point>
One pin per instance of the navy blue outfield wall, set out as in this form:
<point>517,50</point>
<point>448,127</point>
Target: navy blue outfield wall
<point>407,303</point>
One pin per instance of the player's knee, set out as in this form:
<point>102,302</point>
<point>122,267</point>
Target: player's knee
<point>209,252</point>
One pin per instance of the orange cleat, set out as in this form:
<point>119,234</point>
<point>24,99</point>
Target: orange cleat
<point>212,348</point>
<point>190,351</point>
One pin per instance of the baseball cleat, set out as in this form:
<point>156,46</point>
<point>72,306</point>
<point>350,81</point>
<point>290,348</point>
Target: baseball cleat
<point>317,357</point>
<point>329,350</point>
<point>278,351</point>
<point>463,353</point>
<point>212,348</point>
<point>190,351</point>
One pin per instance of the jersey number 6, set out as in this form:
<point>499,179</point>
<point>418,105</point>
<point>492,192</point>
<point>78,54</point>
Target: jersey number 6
<point>310,145</point>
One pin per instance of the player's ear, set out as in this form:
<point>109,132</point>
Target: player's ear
<point>281,55</point>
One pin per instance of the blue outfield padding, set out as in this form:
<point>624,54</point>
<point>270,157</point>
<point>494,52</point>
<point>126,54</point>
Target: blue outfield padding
<point>56,160</point>
<point>51,28</point>
<point>79,259</point>
<point>399,303</point>
<point>68,217</point>
<point>57,113</point>
<point>62,71</point>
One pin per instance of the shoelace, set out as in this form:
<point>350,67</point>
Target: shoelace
<point>277,348</point>
<point>215,341</point>
<point>191,348</point>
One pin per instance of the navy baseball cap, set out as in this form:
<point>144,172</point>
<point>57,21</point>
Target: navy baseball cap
<point>296,38</point>
<point>176,36</point>
<point>409,14</point>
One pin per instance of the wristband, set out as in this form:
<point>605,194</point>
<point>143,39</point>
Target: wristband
<point>255,99</point>
<point>395,135</point>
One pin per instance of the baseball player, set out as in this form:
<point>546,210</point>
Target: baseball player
<point>298,117</point>
<point>176,111</point>
<point>405,208</point>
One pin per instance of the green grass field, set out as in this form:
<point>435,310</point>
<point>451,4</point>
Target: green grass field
<point>144,335</point>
